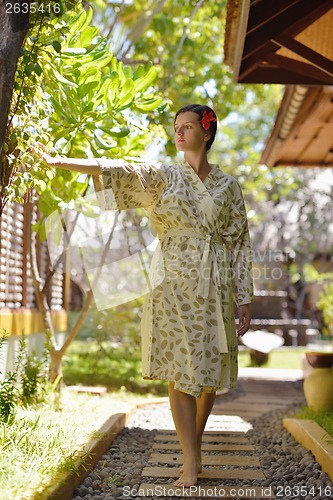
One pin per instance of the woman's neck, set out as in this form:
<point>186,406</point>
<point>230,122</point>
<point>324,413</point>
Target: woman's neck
<point>198,161</point>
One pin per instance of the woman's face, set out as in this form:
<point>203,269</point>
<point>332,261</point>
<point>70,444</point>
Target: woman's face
<point>189,134</point>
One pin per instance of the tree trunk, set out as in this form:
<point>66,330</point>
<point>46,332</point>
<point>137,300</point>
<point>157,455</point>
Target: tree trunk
<point>13,28</point>
<point>55,367</point>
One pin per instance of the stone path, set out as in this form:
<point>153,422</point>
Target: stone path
<point>226,434</point>
<point>247,453</point>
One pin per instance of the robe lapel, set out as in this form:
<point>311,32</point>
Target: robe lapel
<point>206,207</point>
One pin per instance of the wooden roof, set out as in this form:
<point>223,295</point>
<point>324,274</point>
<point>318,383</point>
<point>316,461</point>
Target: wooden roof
<point>281,41</point>
<point>303,132</point>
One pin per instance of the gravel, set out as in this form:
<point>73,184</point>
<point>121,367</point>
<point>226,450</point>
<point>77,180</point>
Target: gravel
<point>290,470</point>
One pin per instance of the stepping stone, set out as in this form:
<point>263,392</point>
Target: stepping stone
<point>238,460</point>
<point>202,491</point>
<point>206,447</point>
<point>208,474</point>
<point>207,433</point>
<point>100,391</point>
<point>245,406</point>
<point>210,438</point>
<point>215,419</point>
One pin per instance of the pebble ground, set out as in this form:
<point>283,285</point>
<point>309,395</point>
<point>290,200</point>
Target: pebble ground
<point>290,470</point>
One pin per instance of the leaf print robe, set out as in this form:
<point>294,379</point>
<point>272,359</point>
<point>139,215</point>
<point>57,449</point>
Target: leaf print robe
<point>201,265</point>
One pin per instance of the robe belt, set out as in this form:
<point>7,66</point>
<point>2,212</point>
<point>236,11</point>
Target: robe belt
<point>206,263</point>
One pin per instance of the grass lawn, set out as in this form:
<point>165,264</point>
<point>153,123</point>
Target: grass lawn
<point>44,442</point>
<point>323,418</point>
<point>286,358</point>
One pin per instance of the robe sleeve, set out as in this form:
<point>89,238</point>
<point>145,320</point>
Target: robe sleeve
<point>123,185</point>
<point>236,235</point>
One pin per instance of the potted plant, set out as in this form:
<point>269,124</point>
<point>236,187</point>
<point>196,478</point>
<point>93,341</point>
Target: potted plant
<point>318,386</point>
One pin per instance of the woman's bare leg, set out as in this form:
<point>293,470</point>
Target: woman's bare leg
<point>204,406</point>
<point>183,409</point>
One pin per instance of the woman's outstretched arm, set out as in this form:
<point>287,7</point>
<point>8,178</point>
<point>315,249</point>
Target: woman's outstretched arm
<point>84,165</point>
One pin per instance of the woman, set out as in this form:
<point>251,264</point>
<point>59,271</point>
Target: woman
<point>188,329</point>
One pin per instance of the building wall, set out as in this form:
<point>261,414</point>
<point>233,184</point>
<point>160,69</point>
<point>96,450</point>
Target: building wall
<point>18,308</point>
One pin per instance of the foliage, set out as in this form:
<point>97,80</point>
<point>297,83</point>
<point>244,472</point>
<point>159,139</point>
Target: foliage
<point>113,364</point>
<point>76,100</point>
<point>79,101</point>
<point>325,303</point>
<point>8,387</point>
<point>26,385</point>
<point>184,40</point>
<point>89,107</point>
<point>19,169</point>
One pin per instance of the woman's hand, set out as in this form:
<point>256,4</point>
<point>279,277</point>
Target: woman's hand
<point>40,151</point>
<point>244,318</point>
<point>90,166</point>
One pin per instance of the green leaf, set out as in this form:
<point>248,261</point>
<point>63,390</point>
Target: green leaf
<point>86,36</point>
<point>144,81</point>
<point>123,132</point>
<point>100,62</point>
<point>57,46</point>
<point>149,104</point>
<point>41,184</point>
<point>37,69</point>
<point>101,143</point>
<point>79,23</point>
<point>62,79</point>
<point>66,149</point>
<point>57,233</point>
<point>84,90</point>
<point>126,96</point>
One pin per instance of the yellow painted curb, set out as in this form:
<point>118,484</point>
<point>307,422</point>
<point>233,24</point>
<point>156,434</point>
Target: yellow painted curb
<point>313,437</point>
<point>64,484</point>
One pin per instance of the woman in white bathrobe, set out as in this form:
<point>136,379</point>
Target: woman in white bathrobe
<point>188,330</point>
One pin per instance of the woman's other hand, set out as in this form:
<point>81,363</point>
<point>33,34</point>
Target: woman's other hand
<point>244,319</point>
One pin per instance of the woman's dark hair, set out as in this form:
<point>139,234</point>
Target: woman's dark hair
<point>199,110</point>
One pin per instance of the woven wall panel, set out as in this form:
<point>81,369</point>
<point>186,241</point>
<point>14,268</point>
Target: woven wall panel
<point>16,284</point>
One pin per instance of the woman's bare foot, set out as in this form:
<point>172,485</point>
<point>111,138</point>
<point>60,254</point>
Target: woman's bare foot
<point>189,475</point>
<point>199,466</point>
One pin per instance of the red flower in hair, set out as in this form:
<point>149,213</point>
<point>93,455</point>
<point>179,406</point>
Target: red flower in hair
<point>206,119</point>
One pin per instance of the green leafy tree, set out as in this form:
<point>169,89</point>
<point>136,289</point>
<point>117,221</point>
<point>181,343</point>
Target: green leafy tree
<point>24,44</point>
<point>79,101</point>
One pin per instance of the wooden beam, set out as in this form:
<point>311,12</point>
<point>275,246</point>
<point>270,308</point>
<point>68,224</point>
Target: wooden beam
<point>284,163</point>
<point>240,39</point>
<point>290,21</point>
<point>271,74</point>
<point>300,68</point>
<point>263,12</point>
<point>250,63</point>
<point>316,59</point>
